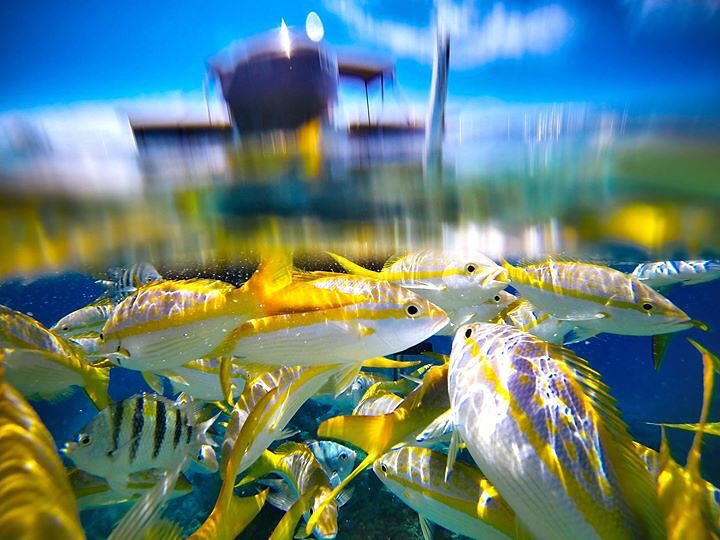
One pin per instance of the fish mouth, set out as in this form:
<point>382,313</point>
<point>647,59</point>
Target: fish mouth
<point>496,278</point>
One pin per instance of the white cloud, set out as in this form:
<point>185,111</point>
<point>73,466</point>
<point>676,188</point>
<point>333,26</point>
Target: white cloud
<point>474,40</point>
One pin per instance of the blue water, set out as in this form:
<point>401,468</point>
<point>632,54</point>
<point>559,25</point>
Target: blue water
<point>672,394</point>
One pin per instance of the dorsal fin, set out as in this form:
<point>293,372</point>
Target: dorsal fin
<point>632,476</point>
<point>353,268</point>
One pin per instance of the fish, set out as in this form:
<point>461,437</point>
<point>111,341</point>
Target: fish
<point>168,323</point>
<point>144,431</point>
<point>87,341</point>
<point>43,365</point>
<point>37,500</point>
<point>375,435</point>
<point>337,460</point>
<point>123,281</point>
<point>302,473</point>
<point>528,409</point>
<point>483,312</point>
<point>347,400</point>
<point>523,315</point>
<point>90,318</point>
<point>386,319</point>
<point>450,281</point>
<point>598,298</point>
<point>200,379</point>
<point>651,459</point>
<point>94,492</point>
<point>666,273</point>
<point>295,386</point>
<point>466,504</point>
<point>689,511</point>
<point>378,404</point>
<point>255,413</point>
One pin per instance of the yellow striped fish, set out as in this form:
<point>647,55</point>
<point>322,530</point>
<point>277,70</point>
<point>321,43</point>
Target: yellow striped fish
<point>386,318</point>
<point>523,315</point>
<point>303,473</point>
<point>483,312</point>
<point>295,386</point>
<point>466,503</point>
<point>94,492</point>
<point>90,318</point>
<point>689,511</point>
<point>651,458</point>
<point>169,323</point>
<point>598,298</point>
<point>258,418</point>
<point>42,365</point>
<point>543,429</point>
<point>452,282</point>
<point>200,379</point>
<point>377,434</point>
<point>145,431</point>
<point>37,501</point>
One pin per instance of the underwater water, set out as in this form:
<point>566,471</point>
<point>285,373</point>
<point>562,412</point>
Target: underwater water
<point>211,210</point>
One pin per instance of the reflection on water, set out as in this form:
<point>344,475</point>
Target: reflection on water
<point>183,200</point>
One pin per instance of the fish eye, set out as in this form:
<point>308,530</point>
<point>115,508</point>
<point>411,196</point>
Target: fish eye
<point>497,298</point>
<point>383,468</point>
<point>412,310</point>
<point>647,306</point>
<point>468,333</point>
<point>470,268</point>
<point>83,439</point>
<point>102,336</point>
<point>343,456</point>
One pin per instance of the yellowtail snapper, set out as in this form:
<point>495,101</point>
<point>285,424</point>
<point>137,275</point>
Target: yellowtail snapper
<point>43,365</point>
<point>466,504</point>
<point>543,429</point>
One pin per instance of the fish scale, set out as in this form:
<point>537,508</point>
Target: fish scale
<point>540,440</point>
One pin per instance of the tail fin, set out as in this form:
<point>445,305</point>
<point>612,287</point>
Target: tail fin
<point>96,386</point>
<point>285,529</point>
<point>353,268</point>
<point>364,432</point>
<point>364,464</point>
<point>262,466</point>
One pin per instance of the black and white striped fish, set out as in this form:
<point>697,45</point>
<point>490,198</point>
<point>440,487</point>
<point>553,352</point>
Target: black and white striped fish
<point>145,431</point>
<point>123,281</point>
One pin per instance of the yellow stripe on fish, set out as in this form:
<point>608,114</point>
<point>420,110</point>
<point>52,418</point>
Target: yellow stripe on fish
<point>386,319</point>
<point>303,472</point>
<point>168,323</point>
<point>466,503</point>
<point>377,434</point>
<point>542,428</point>
<point>43,365</point>
<point>598,298</point>
<point>37,501</point>
<point>453,282</point>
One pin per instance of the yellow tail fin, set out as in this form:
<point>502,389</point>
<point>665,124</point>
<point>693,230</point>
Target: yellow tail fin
<point>96,387</point>
<point>369,433</point>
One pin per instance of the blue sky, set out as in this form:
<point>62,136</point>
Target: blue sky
<point>649,55</point>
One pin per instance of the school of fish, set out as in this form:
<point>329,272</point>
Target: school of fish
<point>511,435</point>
